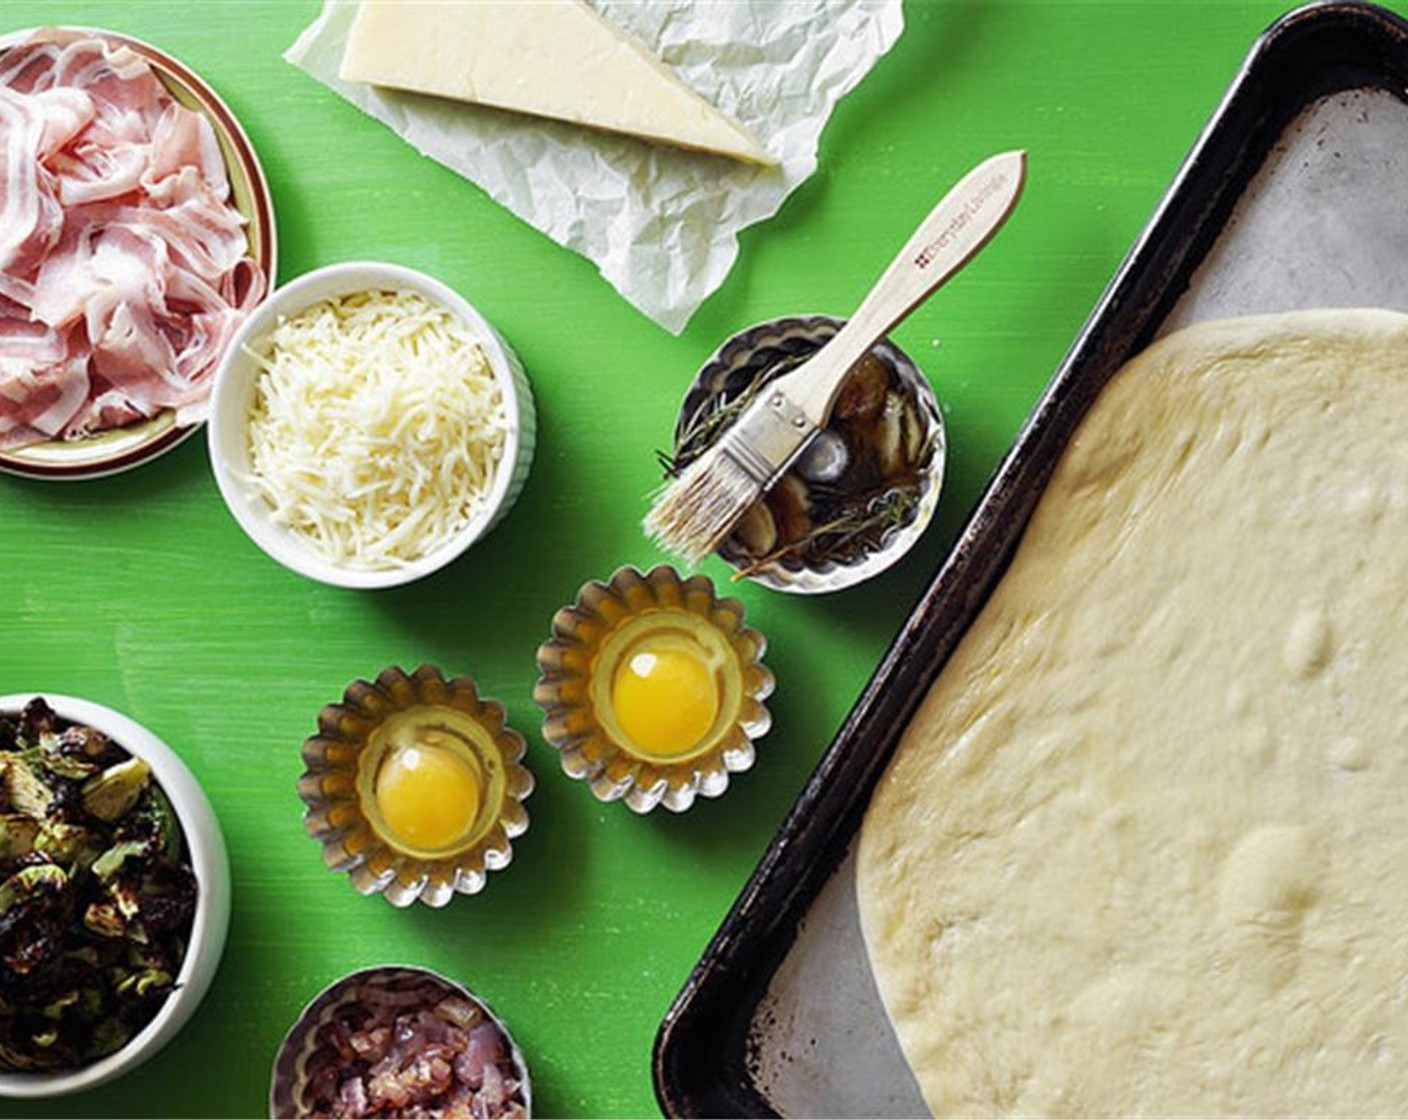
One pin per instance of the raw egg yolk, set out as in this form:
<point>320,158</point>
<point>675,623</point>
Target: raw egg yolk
<point>428,796</point>
<point>665,699</point>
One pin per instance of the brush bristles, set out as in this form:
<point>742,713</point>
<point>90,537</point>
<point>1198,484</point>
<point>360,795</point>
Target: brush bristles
<point>696,511</point>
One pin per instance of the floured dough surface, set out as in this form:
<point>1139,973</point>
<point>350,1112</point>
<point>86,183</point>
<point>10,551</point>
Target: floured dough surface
<point>1144,848</point>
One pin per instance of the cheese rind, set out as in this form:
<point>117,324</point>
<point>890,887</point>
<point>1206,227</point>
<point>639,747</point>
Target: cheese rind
<point>548,58</point>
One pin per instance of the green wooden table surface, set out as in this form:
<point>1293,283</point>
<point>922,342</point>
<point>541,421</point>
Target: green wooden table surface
<point>140,592</point>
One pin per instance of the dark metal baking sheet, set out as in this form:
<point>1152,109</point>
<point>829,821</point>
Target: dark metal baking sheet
<point>1295,195</point>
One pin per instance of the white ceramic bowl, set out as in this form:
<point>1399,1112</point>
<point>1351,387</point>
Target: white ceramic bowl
<point>205,847</point>
<point>233,395</point>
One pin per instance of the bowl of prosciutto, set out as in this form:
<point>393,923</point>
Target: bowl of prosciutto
<point>138,235</point>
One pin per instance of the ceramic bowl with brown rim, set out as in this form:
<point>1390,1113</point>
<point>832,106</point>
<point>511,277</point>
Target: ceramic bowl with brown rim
<point>126,445</point>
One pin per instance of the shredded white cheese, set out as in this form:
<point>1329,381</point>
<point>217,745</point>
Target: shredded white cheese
<point>377,428</point>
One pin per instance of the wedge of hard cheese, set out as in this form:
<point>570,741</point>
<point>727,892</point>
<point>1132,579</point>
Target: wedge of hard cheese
<point>551,58</point>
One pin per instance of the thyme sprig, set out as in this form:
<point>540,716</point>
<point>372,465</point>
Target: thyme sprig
<point>858,528</point>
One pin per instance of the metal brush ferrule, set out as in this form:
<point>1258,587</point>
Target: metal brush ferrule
<point>768,436</point>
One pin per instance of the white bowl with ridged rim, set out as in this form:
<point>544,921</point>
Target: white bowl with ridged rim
<point>205,847</point>
<point>232,399</point>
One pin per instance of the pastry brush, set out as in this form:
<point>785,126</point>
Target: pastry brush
<point>698,509</point>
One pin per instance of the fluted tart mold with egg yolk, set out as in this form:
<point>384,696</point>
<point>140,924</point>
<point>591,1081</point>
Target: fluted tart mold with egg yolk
<point>414,786</point>
<point>652,689</point>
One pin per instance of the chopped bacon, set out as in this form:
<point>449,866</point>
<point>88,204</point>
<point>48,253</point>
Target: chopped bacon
<point>410,1049</point>
<point>124,267</point>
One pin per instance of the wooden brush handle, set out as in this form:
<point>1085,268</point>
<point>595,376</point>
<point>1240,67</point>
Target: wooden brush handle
<point>945,241</point>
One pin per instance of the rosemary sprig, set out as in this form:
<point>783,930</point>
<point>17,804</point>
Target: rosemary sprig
<point>708,424</point>
<point>710,421</point>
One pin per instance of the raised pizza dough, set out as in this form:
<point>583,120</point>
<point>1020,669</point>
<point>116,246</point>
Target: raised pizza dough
<point>1144,848</point>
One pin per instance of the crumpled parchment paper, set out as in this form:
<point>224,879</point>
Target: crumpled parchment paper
<point>660,224</point>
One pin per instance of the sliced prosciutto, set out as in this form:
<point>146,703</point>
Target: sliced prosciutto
<point>124,266</point>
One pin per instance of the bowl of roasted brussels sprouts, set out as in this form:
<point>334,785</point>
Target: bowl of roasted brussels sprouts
<point>114,894</point>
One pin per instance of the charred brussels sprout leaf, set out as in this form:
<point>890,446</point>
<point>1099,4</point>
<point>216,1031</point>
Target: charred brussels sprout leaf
<point>24,790</point>
<point>110,864</point>
<point>70,845</point>
<point>114,792</point>
<point>37,885</point>
<point>17,835</point>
